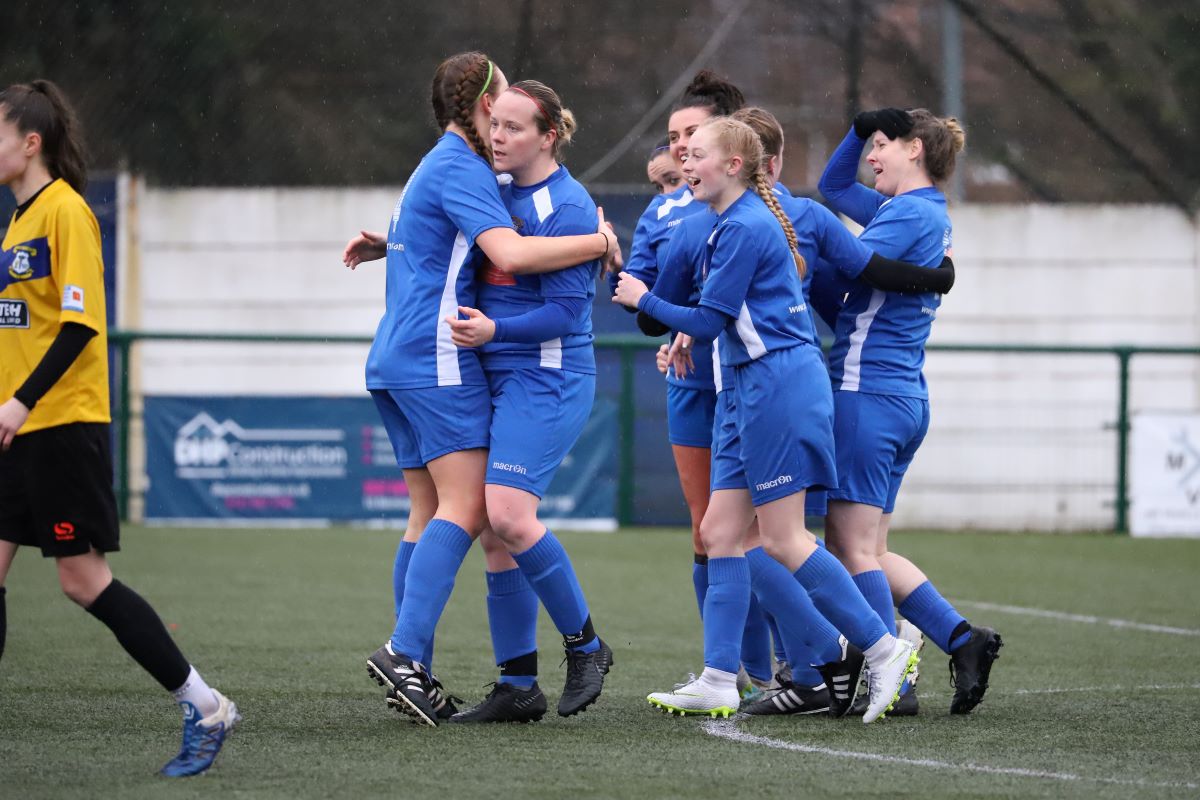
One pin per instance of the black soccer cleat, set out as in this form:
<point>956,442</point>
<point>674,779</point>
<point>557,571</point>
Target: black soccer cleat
<point>790,699</point>
<point>506,703</point>
<point>842,678</point>
<point>585,678</point>
<point>970,666</point>
<point>407,683</point>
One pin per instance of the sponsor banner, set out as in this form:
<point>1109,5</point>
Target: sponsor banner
<point>1164,466</point>
<point>317,459</point>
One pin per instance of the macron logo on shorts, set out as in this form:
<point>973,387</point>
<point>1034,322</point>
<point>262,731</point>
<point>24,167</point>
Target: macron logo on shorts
<point>782,479</point>
<point>517,468</point>
<point>64,531</point>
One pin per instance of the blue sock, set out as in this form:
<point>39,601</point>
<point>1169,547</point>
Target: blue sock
<point>839,600</point>
<point>756,643</point>
<point>874,587</point>
<point>512,616</point>
<point>725,607</point>
<point>400,571</point>
<point>548,569</point>
<point>779,651</point>
<point>934,616</point>
<point>431,572</point>
<point>700,580</point>
<point>808,638</point>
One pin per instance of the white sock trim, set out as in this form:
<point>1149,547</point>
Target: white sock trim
<point>879,651</point>
<point>198,693</point>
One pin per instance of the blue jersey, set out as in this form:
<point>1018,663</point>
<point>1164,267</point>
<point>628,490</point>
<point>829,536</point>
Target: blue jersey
<point>449,200</point>
<point>679,281</point>
<point>750,276</point>
<point>557,206</point>
<point>879,344</point>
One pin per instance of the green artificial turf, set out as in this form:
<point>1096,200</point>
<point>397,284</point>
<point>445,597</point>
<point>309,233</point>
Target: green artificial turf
<point>282,621</point>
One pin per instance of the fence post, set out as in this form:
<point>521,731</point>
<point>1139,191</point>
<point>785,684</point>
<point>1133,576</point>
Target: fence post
<point>625,464</point>
<point>124,415</point>
<point>1124,354</point>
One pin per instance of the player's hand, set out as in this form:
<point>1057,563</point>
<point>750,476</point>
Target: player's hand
<point>629,290</point>
<point>13,414</point>
<point>891,122</point>
<point>680,356</point>
<point>612,260</point>
<point>660,359</point>
<point>367,246</point>
<point>474,331</point>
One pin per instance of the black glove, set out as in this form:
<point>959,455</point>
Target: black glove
<point>649,325</point>
<point>891,122</point>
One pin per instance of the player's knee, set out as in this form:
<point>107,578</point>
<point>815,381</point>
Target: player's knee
<point>79,587</point>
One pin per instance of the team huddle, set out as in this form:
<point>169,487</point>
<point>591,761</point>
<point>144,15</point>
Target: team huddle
<point>483,373</point>
<point>493,251</point>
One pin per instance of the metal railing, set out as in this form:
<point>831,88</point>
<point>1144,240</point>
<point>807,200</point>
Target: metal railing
<point>626,347</point>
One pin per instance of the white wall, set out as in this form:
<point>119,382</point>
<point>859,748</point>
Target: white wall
<point>1017,440</point>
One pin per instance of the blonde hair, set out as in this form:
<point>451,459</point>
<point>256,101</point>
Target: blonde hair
<point>943,139</point>
<point>738,138</point>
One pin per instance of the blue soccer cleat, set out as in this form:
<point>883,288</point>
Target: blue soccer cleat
<point>202,738</point>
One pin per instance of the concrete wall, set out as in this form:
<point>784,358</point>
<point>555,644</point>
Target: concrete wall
<point>1017,441</point>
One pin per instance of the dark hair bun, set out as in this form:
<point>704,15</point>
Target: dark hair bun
<point>710,90</point>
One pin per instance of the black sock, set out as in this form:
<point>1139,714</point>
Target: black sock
<point>699,559</point>
<point>142,634</point>
<point>573,641</point>
<point>3,620</point>
<point>525,666</point>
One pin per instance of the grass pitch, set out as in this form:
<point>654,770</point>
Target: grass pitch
<point>282,621</point>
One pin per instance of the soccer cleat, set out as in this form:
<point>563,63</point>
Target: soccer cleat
<point>202,738</point>
<point>842,677</point>
<point>970,666</point>
<point>506,703</point>
<point>443,702</point>
<point>585,678</point>
<point>407,683</point>
<point>910,633</point>
<point>906,706</point>
<point>888,677</point>
<point>696,697</point>
<point>791,699</point>
<point>783,674</point>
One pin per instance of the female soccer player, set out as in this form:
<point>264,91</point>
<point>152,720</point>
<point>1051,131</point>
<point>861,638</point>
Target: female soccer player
<point>691,394</point>
<point>536,338</point>
<point>56,478</point>
<point>662,171</point>
<point>881,400</point>
<point>432,395</point>
<point>780,443</point>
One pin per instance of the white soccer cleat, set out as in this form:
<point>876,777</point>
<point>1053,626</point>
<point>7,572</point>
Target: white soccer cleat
<point>697,696</point>
<point>911,633</point>
<point>888,676</point>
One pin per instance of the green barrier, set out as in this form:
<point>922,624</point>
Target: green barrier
<point>628,347</point>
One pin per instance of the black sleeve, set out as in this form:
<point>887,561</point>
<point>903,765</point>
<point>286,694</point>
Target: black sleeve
<point>890,275</point>
<point>63,351</point>
<point>650,326</point>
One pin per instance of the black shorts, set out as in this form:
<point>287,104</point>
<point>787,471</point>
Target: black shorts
<point>56,491</point>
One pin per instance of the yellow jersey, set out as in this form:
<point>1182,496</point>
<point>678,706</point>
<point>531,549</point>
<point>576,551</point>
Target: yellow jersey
<point>51,272</point>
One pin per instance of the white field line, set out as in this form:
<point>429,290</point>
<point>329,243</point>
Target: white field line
<point>1085,618</point>
<point>1152,687</point>
<point>728,729</point>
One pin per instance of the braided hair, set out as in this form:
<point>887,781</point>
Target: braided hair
<point>738,138</point>
<point>458,84</point>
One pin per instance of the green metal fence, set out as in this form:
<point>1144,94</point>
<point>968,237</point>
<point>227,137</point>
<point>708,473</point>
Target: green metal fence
<point>627,347</point>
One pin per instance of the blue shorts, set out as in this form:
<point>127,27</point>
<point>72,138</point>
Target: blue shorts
<point>781,435</point>
<point>725,466</point>
<point>690,415</point>
<point>537,416</point>
<point>877,437</point>
<point>425,424</point>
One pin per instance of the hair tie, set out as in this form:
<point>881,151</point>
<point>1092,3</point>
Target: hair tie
<point>486,83</point>
<point>549,119</point>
